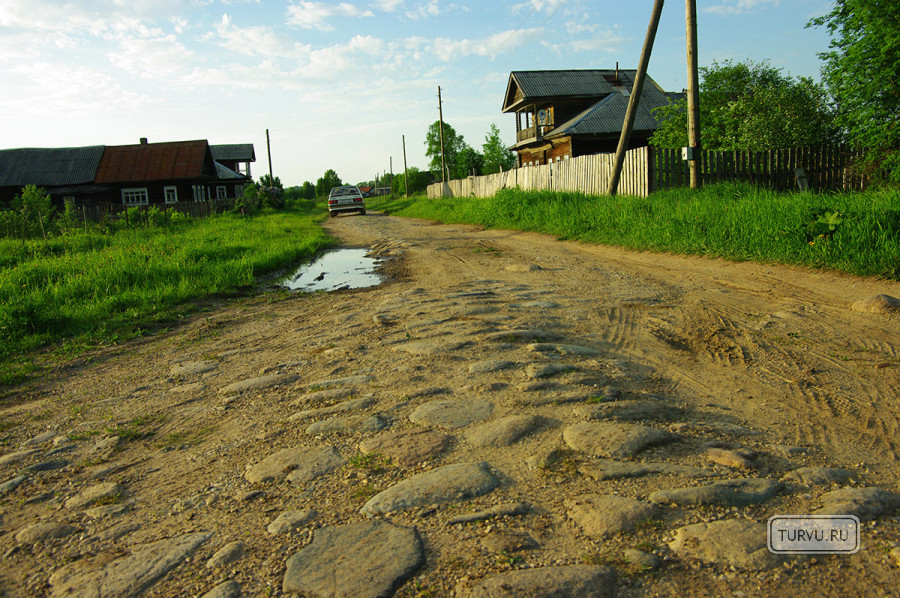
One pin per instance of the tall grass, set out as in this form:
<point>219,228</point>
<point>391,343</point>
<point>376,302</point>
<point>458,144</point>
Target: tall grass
<point>857,233</point>
<point>101,285</point>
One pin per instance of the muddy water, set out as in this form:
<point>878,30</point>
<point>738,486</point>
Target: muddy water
<point>334,270</point>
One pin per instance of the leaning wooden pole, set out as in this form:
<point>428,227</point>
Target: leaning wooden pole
<point>405,170</point>
<point>693,92</point>
<point>636,91</point>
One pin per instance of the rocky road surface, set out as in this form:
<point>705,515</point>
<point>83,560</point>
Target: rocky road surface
<point>509,415</point>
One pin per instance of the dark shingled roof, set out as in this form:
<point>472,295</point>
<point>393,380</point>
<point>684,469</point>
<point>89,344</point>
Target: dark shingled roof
<point>241,152</point>
<point>156,161</point>
<point>525,87</point>
<point>49,167</point>
<point>608,115</point>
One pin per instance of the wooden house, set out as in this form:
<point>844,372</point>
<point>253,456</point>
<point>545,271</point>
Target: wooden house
<point>236,157</point>
<point>130,175</point>
<point>569,113</point>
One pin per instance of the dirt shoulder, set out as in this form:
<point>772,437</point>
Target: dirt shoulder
<point>475,329</point>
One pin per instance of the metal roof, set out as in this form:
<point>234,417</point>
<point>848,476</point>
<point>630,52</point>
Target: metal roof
<point>49,167</point>
<point>525,87</point>
<point>242,152</point>
<point>156,161</point>
<point>608,115</point>
<point>224,173</point>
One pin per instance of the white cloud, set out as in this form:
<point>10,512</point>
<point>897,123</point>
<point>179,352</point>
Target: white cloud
<point>313,15</point>
<point>388,5</point>
<point>589,38</point>
<point>156,58</point>
<point>422,11</point>
<point>540,5</point>
<point>447,49</point>
<point>257,40</point>
<point>736,7</point>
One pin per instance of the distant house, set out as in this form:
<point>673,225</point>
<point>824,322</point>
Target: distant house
<point>130,175</point>
<point>569,113</point>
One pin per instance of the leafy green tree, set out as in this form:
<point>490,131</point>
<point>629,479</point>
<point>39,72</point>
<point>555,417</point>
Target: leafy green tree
<point>327,182</point>
<point>308,190</point>
<point>36,210</point>
<point>453,145</point>
<point>496,156</point>
<point>468,163</point>
<point>267,181</point>
<point>751,106</point>
<point>862,72</point>
<point>418,181</point>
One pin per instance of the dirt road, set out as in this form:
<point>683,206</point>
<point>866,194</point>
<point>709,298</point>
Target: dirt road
<point>579,385</point>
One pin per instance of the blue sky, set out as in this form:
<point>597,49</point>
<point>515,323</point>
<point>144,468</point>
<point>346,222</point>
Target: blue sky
<point>338,83</point>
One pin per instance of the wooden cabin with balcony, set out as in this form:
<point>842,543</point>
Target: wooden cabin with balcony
<point>570,113</point>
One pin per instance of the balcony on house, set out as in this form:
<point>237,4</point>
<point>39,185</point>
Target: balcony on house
<point>533,122</point>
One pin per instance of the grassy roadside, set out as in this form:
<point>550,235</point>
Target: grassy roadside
<point>99,286</point>
<point>857,233</point>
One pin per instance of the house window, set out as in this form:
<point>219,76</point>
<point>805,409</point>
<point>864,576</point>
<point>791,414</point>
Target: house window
<point>171,194</point>
<point>199,192</point>
<point>135,197</point>
<point>220,192</point>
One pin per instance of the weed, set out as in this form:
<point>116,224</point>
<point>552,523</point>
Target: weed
<point>364,491</point>
<point>112,499</point>
<point>372,462</point>
<point>41,415</point>
<point>184,438</point>
<point>78,436</point>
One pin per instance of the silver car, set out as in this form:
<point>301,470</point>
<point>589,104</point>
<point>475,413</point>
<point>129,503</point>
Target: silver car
<point>346,199</point>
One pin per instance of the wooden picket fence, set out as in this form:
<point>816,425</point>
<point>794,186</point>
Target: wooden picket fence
<point>649,169</point>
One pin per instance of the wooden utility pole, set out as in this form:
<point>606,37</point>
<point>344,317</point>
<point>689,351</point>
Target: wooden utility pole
<point>636,91</point>
<point>269,151</point>
<point>392,175</point>
<point>693,93</point>
<point>405,172</point>
<point>441,115</point>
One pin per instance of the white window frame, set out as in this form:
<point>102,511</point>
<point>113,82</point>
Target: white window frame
<point>221,192</point>
<point>174,191</point>
<point>200,192</point>
<point>130,194</point>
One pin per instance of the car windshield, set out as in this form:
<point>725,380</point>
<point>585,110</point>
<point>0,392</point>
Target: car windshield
<point>344,191</point>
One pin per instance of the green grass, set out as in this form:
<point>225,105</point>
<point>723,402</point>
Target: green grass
<point>857,233</point>
<point>101,286</point>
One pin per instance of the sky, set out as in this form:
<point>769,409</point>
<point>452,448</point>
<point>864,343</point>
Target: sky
<point>339,84</point>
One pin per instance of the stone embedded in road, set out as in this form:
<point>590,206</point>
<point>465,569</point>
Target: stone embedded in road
<point>432,347</point>
<point>228,589</point>
<point>128,576</point>
<point>260,383</point>
<point>290,521</point>
<point>572,581</point>
<point>729,542</point>
<point>46,466</point>
<point>17,457</point>
<point>363,560</point>
<point>817,476</point>
<point>322,396</point>
<point>522,334</point>
<point>601,515</point>
<point>340,382</point>
<point>629,411</point>
<point>407,447</point>
<point>11,484</point>
<point>106,492</point>
<point>642,560</point>
<point>351,405</point>
<point>231,552</point>
<point>298,465</point>
<point>192,368</point>
<point>728,458</point>
<point>452,414</point>
<point>450,483</point>
<point>505,431</point>
<point>348,425</point>
<point>537,371</point>
<point>490,365</point>
<point>865,503</point>
<point>506,510</point>
<point>727,493</point>
<point>879,304</point>
<point>40,532</point>
<point>562,349</point>
<point>608,469</point>
<point>613,440</point>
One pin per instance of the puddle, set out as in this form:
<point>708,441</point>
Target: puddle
<point>334,270</point>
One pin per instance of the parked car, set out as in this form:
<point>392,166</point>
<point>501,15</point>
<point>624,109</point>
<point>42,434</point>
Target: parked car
<point>346,199</point>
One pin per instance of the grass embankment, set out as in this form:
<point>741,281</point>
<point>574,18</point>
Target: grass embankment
<point>99,286</point>
<point>857,233</point>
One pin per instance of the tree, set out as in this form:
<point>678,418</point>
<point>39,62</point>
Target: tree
<point>468,163</point>
<point>453,145</point>
<point>35,208</point>
<point>496,157</point>
<point>267,181</point>
<point>327,182</point>
<point>418,181</point>
<point>751,106</point>
<point>862,72</point>
<point>308,190</point>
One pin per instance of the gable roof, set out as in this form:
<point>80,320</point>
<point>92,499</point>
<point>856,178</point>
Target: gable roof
<point>606,116</point>
<point>242,152</point>
<point>156,161</point>
<point>49,167</point>
<point>525,87</point>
